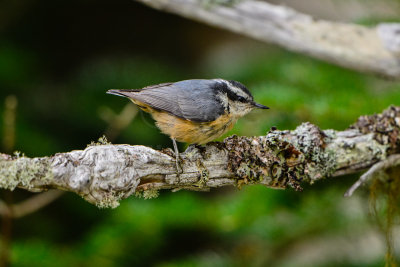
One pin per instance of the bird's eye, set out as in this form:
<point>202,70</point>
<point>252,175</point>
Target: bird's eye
<point>241,99</point>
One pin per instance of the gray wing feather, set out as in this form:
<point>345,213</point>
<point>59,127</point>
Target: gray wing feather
<point>161,98</point>
<point>191,99</point>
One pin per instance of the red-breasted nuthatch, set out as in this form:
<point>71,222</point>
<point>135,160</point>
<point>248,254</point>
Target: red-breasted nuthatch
<point>193,111</point>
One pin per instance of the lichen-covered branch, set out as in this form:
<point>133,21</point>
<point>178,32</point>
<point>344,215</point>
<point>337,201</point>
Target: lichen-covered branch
<point>374,49</point>
<point>105,173</point>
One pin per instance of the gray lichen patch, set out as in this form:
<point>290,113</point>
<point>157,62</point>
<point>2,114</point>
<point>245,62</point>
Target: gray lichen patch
<point>24,172</point>
<point>357,150</point>
<point>385,128</point>
<point>108,200</point>
<point>148,194</point>
<point>311,141</point>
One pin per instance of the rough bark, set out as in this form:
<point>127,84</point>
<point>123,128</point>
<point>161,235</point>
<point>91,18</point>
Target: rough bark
<point>374,49</point>
<point>103,174</point>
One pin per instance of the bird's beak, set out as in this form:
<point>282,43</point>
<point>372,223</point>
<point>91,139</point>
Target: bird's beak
<point>259,106</point>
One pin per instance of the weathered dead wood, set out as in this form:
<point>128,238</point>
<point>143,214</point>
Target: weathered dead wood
<point>104,173</point>
<point>366,49</point>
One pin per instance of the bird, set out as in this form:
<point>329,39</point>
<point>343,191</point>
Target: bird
<point>194,111</point>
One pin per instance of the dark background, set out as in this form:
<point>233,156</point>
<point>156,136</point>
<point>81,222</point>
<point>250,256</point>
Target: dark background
<point>58,58</point>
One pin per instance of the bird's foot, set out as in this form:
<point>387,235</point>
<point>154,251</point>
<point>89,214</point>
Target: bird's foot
<point>178,162</point>
<point>179,169</point>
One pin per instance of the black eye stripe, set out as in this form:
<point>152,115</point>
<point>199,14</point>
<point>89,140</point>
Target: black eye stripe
<point>241,99</point>
<point>231,95</point>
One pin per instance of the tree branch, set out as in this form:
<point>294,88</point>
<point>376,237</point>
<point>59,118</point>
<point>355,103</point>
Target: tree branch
<point>389,162</point>
<point>29,205</point>
<point>104,173</point>
<point>375,50</point>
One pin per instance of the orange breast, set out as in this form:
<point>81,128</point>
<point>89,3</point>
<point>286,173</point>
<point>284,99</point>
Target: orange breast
<point>188,131</point>
<point>192,132</point>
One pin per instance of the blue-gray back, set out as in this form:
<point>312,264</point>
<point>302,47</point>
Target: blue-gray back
<point>190,99</point>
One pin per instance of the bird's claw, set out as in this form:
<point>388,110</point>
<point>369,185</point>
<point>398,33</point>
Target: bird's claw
<point>179,169</point>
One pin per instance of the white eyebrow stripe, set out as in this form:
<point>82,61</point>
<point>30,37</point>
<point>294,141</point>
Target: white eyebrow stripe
<point>237,90</point>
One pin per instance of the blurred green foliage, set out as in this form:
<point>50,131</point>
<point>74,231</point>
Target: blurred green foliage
<point>256,226</point>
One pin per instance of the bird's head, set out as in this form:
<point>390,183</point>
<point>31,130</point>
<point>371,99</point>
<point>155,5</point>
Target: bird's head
<point>235,97</point>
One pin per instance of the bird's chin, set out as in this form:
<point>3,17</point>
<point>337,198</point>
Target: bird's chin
<point>242,113</point>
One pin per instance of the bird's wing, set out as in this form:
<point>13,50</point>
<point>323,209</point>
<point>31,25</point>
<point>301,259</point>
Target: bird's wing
<point>192,100</point>
<point>161,98</point>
